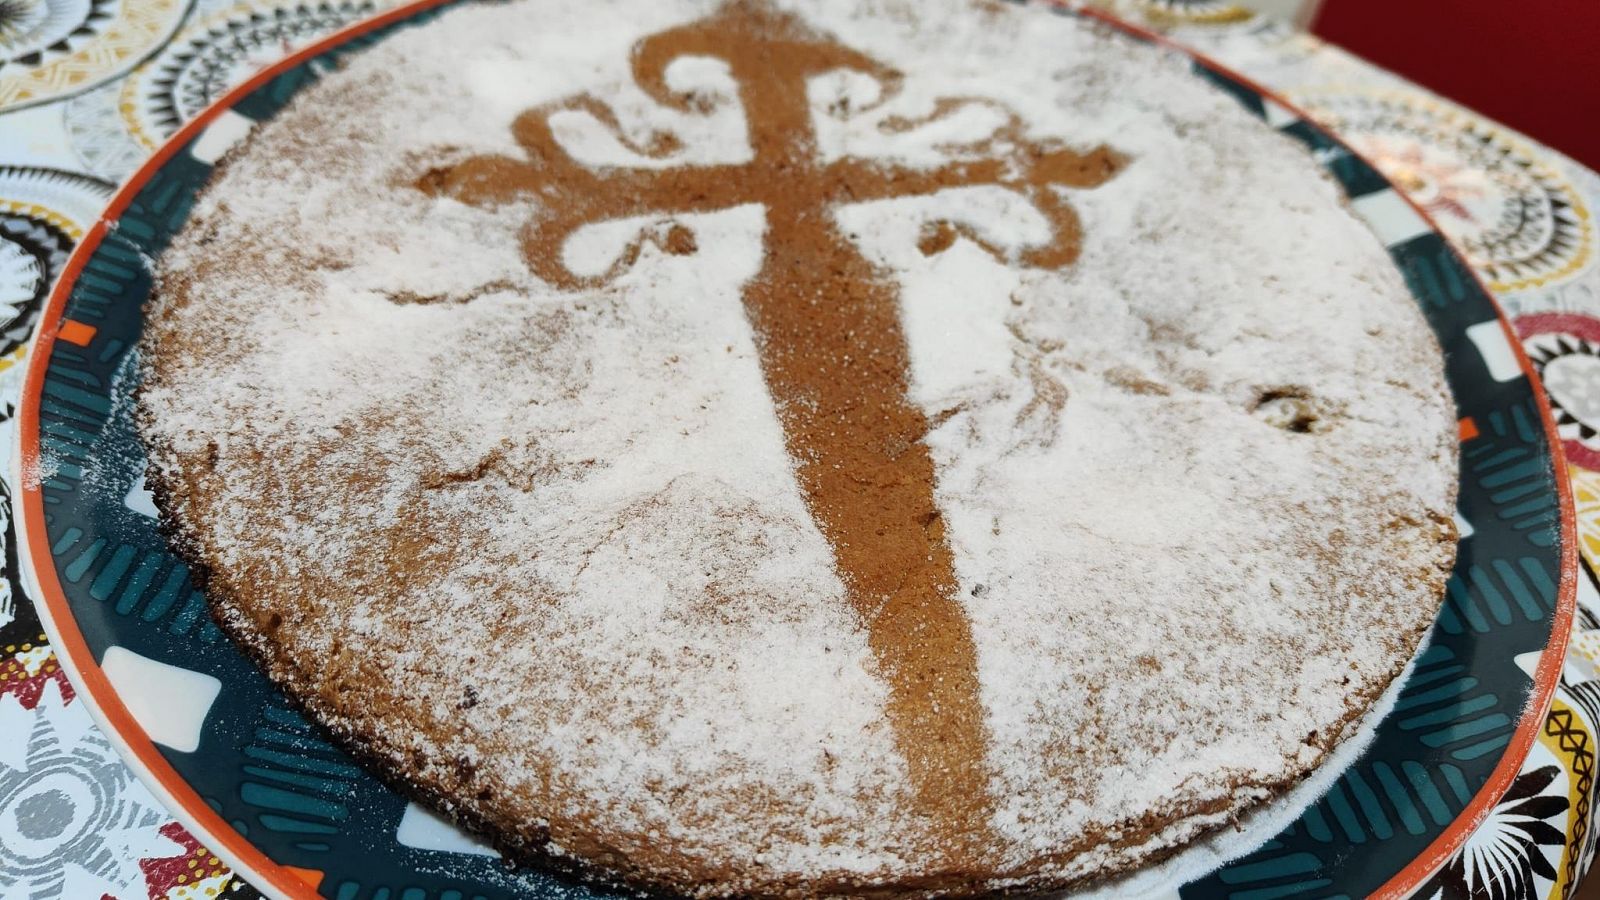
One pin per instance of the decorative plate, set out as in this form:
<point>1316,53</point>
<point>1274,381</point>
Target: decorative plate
<point>296,816</point>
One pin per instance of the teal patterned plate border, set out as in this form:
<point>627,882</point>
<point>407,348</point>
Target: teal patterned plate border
<point>291,812</point>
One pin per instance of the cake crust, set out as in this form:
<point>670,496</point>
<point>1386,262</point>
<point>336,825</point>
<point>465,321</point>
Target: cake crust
<point>836,732</point>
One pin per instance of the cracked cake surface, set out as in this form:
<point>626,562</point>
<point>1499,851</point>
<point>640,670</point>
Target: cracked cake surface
<point>802,448</point>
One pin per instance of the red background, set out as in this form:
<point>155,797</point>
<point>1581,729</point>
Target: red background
<point>1534,66</point>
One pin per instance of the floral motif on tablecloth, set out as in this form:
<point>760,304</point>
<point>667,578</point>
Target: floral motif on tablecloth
<point>1518,220</point>
<point>43,212</point>
<point>1565,349</point>
<point>1540,838</point>
<point>56,48</point>
<point>1506,857</point>
<point>71,814</point>
<point>74,822</point>
<point>1586,504</point>
<point>217,52</point>
<point>114,128</point>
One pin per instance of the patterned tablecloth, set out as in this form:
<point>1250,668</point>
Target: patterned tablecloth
<point>89,87</point>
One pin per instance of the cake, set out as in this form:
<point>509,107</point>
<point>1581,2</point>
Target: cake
<point>841,447</point>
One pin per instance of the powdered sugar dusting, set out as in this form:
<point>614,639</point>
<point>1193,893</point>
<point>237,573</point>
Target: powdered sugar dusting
<point>1215,271</point>
<point>547,547</point>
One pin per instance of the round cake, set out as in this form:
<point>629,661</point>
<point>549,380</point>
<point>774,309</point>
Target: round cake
<point>802,448</point>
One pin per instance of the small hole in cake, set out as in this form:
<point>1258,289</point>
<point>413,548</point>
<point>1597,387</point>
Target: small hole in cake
<point>274,622</point>
<point>432,182</point>
<point>699,102</point>
<point>1133,381</point>
<point>936,237</point>
<point>680,241</point>
<point>1290,409</point>
<point>663,143</point>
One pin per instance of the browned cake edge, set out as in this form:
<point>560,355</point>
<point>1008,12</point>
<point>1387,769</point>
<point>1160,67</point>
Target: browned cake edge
<point>448,786</point>
<point>438,784</point>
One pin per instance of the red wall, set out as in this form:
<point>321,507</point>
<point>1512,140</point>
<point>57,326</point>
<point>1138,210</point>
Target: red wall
<point>1533,65</point>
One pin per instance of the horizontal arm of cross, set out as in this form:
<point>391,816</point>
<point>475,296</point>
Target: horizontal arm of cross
<point>620,194</point>
<point>571,195</point>
<point>1034,170</point>
<point>1028,166</point>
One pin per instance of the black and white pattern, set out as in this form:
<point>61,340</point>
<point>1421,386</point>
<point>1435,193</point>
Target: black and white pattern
<point>207,59</point>
<point>71,814</point>
<point>19,623</point>
<point>31,31</point>
<point>114,128</point>
<point>99,133</point>
<point>1520,222</point>
<point>1570,367</point>
<point>52,49</point>
<point>42,213</point>
<point>1501,860</point>
<point>32,253</point>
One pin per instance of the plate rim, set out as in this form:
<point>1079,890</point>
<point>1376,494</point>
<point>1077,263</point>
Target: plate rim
<point>104,704</point>
<point>1547,675</point>
<point>282,882</point>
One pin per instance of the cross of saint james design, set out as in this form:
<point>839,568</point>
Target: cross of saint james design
<point>828,331</point>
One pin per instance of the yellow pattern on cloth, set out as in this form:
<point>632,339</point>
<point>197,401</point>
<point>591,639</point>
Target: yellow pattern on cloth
<point>139,28</point>
<point>1586,503</point>
<point>1570,737</point>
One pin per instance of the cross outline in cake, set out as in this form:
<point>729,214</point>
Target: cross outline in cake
<point>831,345</point>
